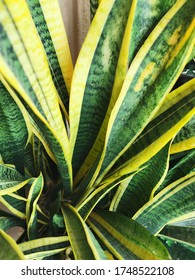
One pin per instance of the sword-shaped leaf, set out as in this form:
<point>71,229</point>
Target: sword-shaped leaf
<point>49,24</point>
<point>93,77</point>
<point>125,238</point>
<point>43,247</point>
<point>161,58</point>
<point>175,200</point>
<point>31,207</point>
<point>180,169</point>
<point>13,131</point>
<point>133,193</point>
<point>160,130</point>
<point>83,242</point>
<point>24,64</point>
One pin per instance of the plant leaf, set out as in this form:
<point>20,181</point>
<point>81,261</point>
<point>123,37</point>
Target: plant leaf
<point>133,193</point>
<point>31,207</point>
<point>145,80</point>
<point>93,77</point>
<point>178,249</point>
<point>24,65</point>
<point>185,139</point>
<point>10,179</point>
<point>159,131</point>
<point>180,169</point>
<point>84,244</point>
<point>125,238</point>
<point>9,249</point>
<point>184,233</point>
<point>49,24</point>
<point>13,131</point>
<point>44,247</point>
<point>175,200</point>
<point>140,24</point>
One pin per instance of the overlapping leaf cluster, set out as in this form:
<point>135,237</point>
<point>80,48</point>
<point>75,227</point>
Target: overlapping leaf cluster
<point>97,160</point>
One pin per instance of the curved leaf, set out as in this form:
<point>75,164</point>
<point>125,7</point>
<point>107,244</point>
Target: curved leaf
<point>43,247</point>
<point>125,238</point>
<point>180,169</point>
<point>9,249</point>
<point>31,207</point>
<point>133,193</point>
<point>174,201</point>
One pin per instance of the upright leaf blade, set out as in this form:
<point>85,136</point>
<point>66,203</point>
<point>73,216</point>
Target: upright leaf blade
<point>93,77</point>
<point>145,80</point>
<point>84,244</point>
<point>13,131</point>
<point>49,24</point>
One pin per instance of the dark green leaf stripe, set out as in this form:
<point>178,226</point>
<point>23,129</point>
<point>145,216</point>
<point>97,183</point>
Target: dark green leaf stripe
<point>145,80</point>
<point>130,234</point>
<point>84,245</point>
<point>43,247</point>
<point>181,169</point>
<point>178,250</point>
<point>42,28</point>
<point>13,130</point>
<point>98,86</point>
<point>134,193</point>
<point>176,200</point>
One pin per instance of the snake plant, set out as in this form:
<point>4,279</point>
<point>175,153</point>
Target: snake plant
<point>97,159</point>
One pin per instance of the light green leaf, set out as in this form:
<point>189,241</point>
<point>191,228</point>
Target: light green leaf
<point>83,242</point>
